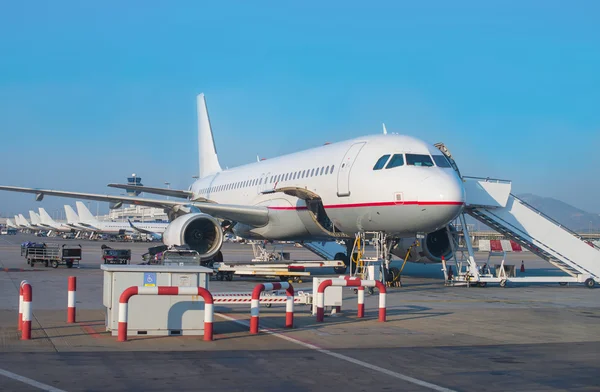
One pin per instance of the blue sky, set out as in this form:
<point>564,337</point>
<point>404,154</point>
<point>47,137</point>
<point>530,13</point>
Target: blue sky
<point>91,92</point>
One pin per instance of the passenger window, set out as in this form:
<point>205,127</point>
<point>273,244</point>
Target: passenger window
<point>397,160</point>
<point>441,161</point>
<point>322,168</point>
<point>332,167</point>
<point>381,162</point>
<point>419,160</point>
<point>327,170</point>
<point>312,172</point>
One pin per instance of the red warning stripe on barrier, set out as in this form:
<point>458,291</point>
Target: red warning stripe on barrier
<point>496,246</point>
<point>516,247</point>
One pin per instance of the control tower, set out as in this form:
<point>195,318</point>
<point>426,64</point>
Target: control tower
<point>134,180</point>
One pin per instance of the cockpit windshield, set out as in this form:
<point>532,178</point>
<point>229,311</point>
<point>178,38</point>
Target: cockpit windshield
<point>441,161</point>
<point>381,162</point>
<point>418,160</point>
<point>397,160</point>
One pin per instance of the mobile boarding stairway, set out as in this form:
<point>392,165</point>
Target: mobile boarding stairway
<point>491,202</point>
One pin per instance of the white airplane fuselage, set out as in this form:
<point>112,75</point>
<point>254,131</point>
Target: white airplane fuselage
<point>401,201</point>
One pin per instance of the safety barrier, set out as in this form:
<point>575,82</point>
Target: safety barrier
<point>71,299</point>
<point>26,309</point>
<point>352,282</point>
<point>20,322</point>
<point>166,290</point>
<point>246,298</point>
<point>254,304</point>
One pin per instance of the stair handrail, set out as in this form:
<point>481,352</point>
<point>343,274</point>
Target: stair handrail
<point>557,223</point>
<point>488,179</point>
<point>533,241</point>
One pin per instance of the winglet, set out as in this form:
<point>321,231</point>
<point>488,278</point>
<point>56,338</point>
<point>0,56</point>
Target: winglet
<point>384,129</point>
<point>207,152</point>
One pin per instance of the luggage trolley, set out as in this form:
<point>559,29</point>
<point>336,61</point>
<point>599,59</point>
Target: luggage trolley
<point>52,254</point>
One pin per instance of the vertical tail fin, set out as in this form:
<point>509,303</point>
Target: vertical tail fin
<point>35,219</point>
<point>10,224</point>
<point>84,214</point>
<point>46,218</point>
<point>24,221</point>
<point>207,152</point>
<point>72,217</point>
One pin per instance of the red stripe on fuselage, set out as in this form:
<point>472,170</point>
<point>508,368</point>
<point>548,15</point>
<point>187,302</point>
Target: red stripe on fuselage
<point>378,204</point>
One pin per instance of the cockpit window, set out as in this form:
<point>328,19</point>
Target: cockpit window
<point>381,162</point>
<point>397,160</point>
<point>441,161</point>
<point>418,160</point>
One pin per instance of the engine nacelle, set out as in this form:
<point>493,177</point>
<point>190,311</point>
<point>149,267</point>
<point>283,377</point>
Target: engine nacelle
<point>430,249</point>
<point>201,232</point>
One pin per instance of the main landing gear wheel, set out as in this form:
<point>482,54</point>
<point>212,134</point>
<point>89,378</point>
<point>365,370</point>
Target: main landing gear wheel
<point>563,283</point>
<point>229,276</point>
<point>590,283</point>
<point>483,284</point>
<point>503,283</point>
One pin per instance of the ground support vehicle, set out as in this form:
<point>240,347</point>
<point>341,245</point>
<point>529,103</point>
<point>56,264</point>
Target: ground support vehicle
<point>116,256</point>
<point>52,254</point>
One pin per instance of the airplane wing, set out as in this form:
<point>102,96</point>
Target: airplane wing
<point>88,226</point>
<point>157,191</point>
<point>144,231</point>
<point>251,215</point>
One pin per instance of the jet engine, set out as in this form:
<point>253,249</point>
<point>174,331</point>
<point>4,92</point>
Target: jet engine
<point>200,232</point>
<point>429,249</point>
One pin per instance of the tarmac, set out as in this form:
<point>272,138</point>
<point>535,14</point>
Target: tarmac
<point>542,337</point>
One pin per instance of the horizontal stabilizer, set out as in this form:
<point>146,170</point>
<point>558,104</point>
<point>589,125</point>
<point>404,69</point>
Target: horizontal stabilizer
<point>156,191</point>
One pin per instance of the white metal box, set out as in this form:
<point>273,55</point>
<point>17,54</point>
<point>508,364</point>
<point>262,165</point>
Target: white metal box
<point>155,314</point>
<point>333,294</point>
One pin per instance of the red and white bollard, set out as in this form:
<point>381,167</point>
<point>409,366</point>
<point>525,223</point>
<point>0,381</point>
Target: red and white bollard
<point>361,302</point>
<point>255,304</point>
<point>26,325</point>
<point>20,322</point>
<point>71,300</point>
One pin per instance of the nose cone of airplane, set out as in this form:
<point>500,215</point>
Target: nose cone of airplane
<point>442,197</point>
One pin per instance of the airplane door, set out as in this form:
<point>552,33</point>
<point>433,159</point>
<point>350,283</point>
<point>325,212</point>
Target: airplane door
<point>343,182</point>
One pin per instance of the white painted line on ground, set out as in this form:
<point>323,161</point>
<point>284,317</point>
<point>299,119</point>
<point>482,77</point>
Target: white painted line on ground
<point>367,365</point>
<point>29,381</point>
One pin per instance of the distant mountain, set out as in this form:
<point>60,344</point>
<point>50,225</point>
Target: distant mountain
<point>572,217</point>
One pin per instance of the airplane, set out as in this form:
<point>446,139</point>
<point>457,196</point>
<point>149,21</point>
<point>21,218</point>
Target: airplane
<point>47,221</point>
<point>86,219</point>
<point>9,223</point>
<point>36,222</point>
<point>73,219</point>
<point>21,221</point>
<point>392,184</point>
